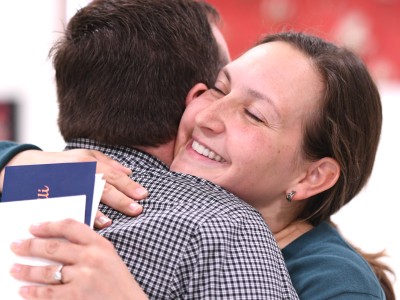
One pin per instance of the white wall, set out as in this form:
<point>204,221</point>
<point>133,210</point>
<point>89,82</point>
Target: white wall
<point>371,220</point>
<point>25,72</point>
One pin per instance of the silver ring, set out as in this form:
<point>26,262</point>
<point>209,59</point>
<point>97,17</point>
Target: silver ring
<point>58,275</point>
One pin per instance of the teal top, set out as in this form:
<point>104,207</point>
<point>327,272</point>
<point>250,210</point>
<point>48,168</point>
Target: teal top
<point>323,266</point>
<point>9,149</point>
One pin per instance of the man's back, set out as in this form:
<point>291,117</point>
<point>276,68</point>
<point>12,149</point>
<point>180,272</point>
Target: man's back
<point>194,240</point>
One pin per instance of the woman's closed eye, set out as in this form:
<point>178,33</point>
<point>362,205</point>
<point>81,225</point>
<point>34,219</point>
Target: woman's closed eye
<point>254,115</point>
<point>216,92</point>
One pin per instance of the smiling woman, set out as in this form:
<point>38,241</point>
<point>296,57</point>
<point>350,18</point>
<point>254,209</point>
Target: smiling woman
<point>285,120</point>
<point>257,139</point>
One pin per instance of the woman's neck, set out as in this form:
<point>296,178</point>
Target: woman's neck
<point>291,232</point>
<point>282,219</point>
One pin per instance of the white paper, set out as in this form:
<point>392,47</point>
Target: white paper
<point>15,219</point>
<point>98,191</point>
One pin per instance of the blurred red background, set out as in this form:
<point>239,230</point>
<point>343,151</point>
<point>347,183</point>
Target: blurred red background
<point>370,27</point>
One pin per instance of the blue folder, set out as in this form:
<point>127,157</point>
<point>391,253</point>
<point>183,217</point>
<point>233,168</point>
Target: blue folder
<point>50,180</point>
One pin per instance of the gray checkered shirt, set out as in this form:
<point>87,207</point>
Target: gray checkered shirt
<point>194,240</point>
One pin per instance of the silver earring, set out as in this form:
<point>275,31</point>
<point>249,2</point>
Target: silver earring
<point>290,195</point>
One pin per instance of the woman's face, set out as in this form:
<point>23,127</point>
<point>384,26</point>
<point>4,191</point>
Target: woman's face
<point>245,133</point>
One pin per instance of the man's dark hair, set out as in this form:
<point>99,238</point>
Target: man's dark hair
<point>124,68</point>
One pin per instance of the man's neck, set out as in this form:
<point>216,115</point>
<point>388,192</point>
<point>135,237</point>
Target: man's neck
<point>164,152</point>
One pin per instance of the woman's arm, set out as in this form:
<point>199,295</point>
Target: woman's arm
<point>92,269</point>
<point>8,150</point>
<point>119,191</point>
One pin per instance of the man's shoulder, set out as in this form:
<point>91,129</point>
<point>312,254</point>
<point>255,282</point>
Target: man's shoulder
<point>194,193</point>
<point>197,205</point>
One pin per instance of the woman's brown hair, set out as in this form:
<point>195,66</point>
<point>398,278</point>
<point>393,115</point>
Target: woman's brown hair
<point>347,128</point>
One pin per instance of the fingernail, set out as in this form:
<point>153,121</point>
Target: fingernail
<point>15,269</point>
<point>103,220</point>
<point>141,191</point>
<point>134,207</point>
<point>34,227</point>
<point>24,291</point>
<point>16,244</point>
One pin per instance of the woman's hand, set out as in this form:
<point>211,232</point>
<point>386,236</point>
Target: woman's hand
<point>91,269</point>
<point>119,192</point>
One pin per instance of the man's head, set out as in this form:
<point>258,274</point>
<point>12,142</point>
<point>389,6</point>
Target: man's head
<point>124,67</point>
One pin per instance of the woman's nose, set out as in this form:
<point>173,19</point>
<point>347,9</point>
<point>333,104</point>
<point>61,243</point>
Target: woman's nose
<point>212,118</point>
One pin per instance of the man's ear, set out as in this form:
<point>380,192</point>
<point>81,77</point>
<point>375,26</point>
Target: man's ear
<point>320,176</point>
<point>195,92</point>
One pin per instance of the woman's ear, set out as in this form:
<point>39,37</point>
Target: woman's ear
<point>321,175</point>
<point>195,92</point>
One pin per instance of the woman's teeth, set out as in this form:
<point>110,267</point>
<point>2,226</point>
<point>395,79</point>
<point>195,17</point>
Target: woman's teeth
<point>206,152</point>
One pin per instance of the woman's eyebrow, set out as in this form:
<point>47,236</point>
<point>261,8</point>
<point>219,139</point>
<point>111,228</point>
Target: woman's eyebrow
<point>256,94</point>
<point>261,96</point>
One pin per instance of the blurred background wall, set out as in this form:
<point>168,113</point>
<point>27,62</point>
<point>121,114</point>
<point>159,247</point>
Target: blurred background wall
<point>28,110</point>
<point>370,27</point>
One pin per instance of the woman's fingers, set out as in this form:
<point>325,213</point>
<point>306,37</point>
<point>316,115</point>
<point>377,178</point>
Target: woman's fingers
<point>101,221</point>
<point>116,175</point>
<point>48,292</point>
<point>52,249</point>
<point>115,197</point>
<point>41,274</point>
<point>67,241</point>
<point>119,189</point>
<point>59,232</point>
